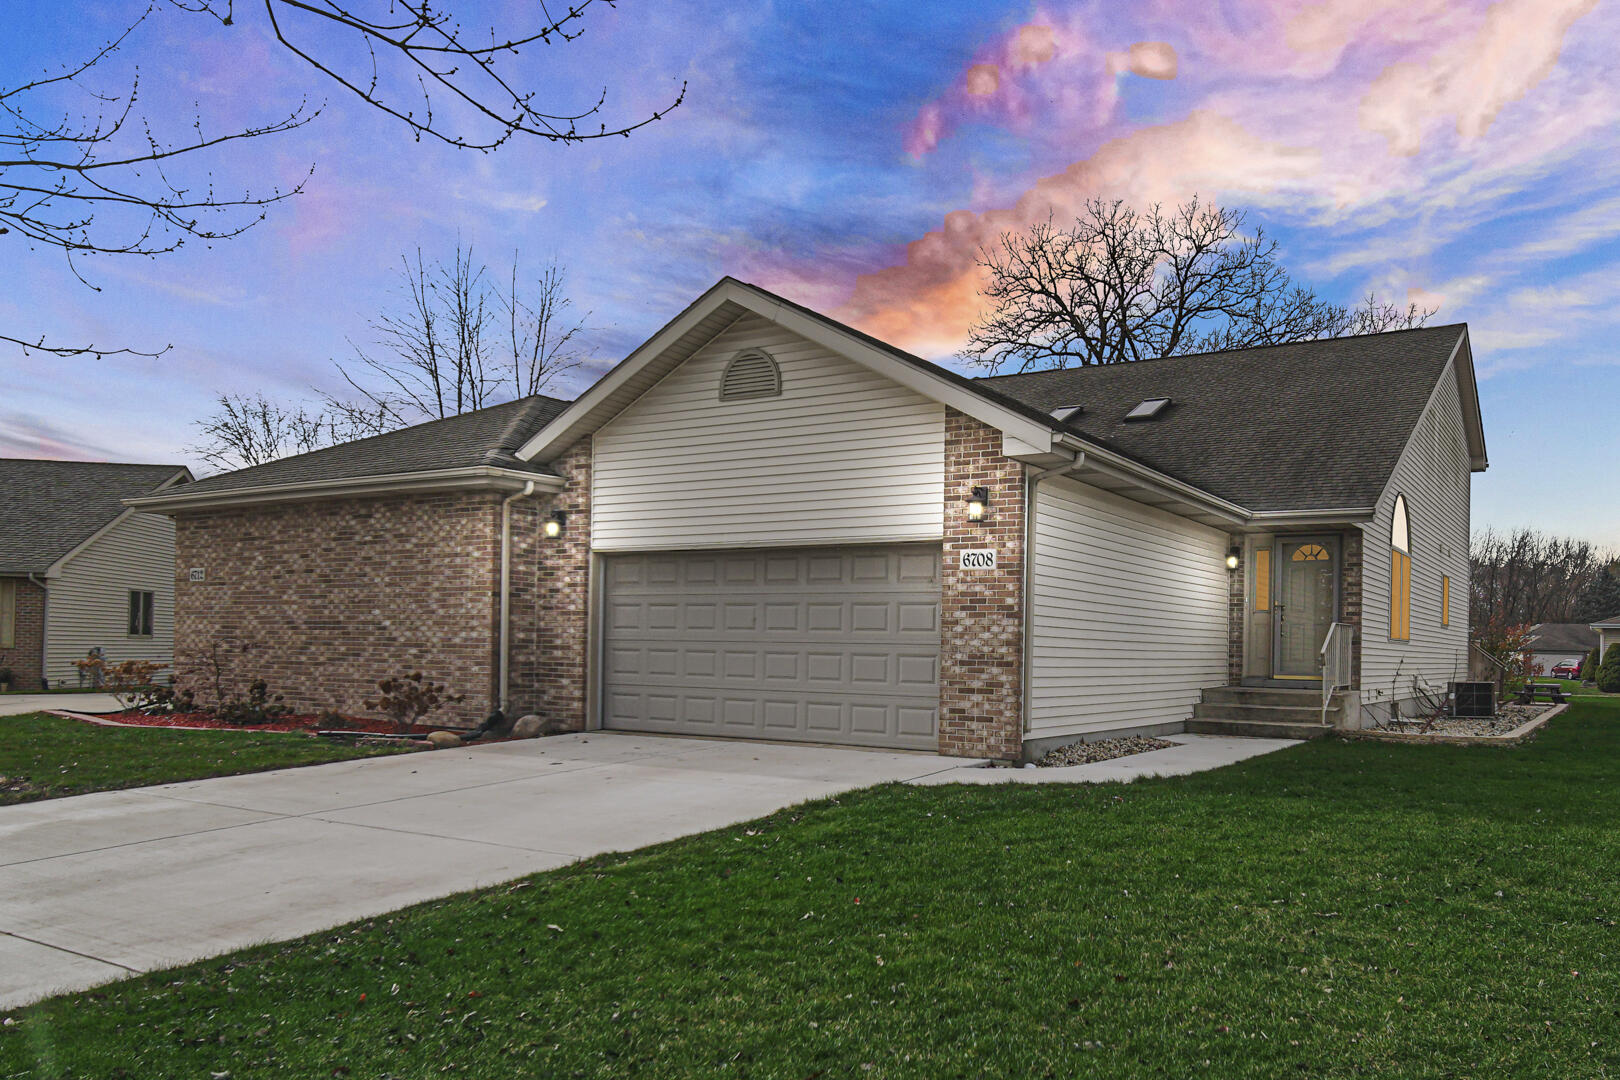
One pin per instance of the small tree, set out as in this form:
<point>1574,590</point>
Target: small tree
<point>407,699</point>
<point>1507,644</point>
<point>132,683</point>
<point>1589,666</point>
<point>1608,672</point>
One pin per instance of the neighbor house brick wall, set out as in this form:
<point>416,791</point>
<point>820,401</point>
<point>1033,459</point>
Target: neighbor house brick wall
<point>550,632</point>
<point>27,651</point>
<point>982,612</point>
<point>328,596</point>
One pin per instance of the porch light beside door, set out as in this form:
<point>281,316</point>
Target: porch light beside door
<point>978,504</point>
<point>1233,558</point>
<point>555,524</point>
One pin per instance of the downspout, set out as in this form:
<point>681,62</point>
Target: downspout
<point>506,588</point>
<point>44,631</point>
<point>1029,566</point>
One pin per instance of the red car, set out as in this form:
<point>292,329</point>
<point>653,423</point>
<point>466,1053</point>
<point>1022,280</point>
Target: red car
<point>1566,669</point>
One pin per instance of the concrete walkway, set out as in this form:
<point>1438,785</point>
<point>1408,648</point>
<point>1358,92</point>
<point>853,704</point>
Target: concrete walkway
<point>17,704</point>
<point>97,887</point>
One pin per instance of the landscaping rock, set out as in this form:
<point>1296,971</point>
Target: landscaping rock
<point>1084,753</point>
<point>441,740</point>
<point>528,727</point>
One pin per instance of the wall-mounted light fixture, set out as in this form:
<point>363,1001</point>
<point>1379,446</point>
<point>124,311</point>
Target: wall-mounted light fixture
<point>555,524</point>
<point>978,504</point>
<point>1233,558</point>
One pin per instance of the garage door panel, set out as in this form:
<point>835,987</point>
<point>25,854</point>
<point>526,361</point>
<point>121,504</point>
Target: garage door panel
<point>823,644</point>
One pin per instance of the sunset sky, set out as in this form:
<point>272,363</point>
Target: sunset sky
<point>854,157</point>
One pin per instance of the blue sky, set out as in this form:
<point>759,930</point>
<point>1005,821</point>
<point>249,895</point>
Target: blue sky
<point>1460,155</point>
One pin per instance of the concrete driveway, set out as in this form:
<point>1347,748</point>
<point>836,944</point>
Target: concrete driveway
<point>17,704</point>
<point>97,887</point>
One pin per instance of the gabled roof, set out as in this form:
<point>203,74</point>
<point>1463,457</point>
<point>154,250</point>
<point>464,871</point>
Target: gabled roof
<point>49,508</point>
<point>1563,637</point>
<point>484,439</point>
<point>1607,624</point>
<point>1314,425</point>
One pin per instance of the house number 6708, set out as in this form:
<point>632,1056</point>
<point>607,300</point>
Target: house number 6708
<point>979,559</point>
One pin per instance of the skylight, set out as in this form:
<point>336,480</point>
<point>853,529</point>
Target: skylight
<point>1064,413</point>
<point>1148,409</point>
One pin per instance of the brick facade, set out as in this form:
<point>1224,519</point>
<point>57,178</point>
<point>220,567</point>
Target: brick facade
<point>26,654</point>
<point>550,626</point>
<point>981,678</point>
<point>1350,599</point>
<point>329,596</point>
<point>1237,612</point>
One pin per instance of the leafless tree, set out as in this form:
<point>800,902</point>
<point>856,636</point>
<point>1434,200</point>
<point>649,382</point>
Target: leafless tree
<point>545,339</point>
<point>440,352</point>
<point>251,430</point>
<point>1529,577</point>
<point>99,180</point>
<point>1118,285</point>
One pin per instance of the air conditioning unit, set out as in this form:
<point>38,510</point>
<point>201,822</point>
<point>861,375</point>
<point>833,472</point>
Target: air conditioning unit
<point>1473,699</point>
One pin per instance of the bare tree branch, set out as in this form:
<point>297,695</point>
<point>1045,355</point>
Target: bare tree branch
<point>1120,286</point>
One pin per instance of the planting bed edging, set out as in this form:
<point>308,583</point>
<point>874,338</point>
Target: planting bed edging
<point>1511,738</point>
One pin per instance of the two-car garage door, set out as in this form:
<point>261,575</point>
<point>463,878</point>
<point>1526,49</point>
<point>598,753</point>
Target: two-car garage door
<point>837,645</point>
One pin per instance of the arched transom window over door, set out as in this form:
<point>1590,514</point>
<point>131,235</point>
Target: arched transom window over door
<point>1400,573</point>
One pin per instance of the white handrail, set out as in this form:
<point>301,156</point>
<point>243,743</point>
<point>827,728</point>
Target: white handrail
<point>1337,657</point>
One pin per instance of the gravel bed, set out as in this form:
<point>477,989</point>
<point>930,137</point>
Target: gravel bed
<point>1102,750</point>
<point>1508,718</point>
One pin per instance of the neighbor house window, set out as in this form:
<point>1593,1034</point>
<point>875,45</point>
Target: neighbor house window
<point>1262,579</point>
<point>140,613</point>
<point>1400,574</point>
<point>1445,599</point>
<point>8,614</point>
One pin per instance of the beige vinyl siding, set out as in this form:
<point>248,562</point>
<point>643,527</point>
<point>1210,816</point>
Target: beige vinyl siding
<point>88,604</point>
<point>843,455</point>
<point>1128,612</point>
<point>1433,475</point>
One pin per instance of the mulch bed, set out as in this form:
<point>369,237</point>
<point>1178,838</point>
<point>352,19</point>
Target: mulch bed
<point>202,721</point>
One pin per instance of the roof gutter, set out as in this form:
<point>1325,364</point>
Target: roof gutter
<point>1117,464</point>
<point>469,478</point>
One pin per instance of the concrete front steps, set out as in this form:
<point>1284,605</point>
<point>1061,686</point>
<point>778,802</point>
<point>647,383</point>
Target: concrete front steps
<point>1262,712</point>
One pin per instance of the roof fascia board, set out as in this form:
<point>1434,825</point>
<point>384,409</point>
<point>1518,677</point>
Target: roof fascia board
<point>471,478</point>
<point>1462,356</point>
<point>55,569</point>
<point>1123,468</point>
<point>555,437</point>
<point>1350,515</point>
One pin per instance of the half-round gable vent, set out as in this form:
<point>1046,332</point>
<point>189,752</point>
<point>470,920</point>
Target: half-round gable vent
<point>750,374</point>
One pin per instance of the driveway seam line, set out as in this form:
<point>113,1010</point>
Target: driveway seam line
<point>71,952</point>
<point>455,839</point>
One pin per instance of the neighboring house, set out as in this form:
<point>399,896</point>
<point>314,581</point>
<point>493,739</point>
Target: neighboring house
<point>1552,643</point>
<point>1608,632</point>
<point>765,524</point>
<point>79,570</point>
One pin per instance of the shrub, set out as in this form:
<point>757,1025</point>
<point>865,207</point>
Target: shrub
<point>132,683</point>
<point>5,676</point>
<point>1608,674</point>
<point>1589,666</point>
<point>407,699</point>
<point>259,707</point>
<point>167,700</point>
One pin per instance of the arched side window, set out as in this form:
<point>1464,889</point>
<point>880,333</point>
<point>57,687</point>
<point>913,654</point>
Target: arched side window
<point>1400,573</point>
<point>750,374</point>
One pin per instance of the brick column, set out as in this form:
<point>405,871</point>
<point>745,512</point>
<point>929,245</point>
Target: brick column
<point>1350,598</point>
<point>981,611</point>
<point>1237,611</point>
<point>551,620</point>
<point>26,655</point>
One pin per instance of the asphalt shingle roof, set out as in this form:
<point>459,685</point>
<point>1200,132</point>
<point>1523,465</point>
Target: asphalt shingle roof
<point>484,437</point>
<point>48,508</point>
<point>1564,637</point>
<point>1309,426</point>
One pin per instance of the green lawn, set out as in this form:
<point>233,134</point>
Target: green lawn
<point>47,757</point>
<point>1342,909</point>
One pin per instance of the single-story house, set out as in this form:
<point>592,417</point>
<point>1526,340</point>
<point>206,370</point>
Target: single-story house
<point>79,570</point>
<point>1608,632</point>
<point>766,524</point>
<point>1553,643</point>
